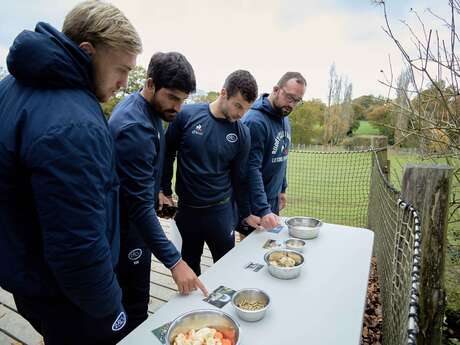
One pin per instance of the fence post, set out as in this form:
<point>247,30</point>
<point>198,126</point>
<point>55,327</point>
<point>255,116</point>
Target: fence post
<point>381,141</point>
<point>427,188</point>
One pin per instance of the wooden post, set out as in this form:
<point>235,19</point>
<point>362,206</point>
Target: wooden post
<point>427,188</point>
<point>378,141</point>
<point>381,141</point>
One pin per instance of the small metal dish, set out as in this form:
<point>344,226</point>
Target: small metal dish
<point>248,297</point>
<point>295,244</point>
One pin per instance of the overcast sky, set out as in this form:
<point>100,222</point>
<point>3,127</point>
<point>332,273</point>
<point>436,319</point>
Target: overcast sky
<point>266,37</point>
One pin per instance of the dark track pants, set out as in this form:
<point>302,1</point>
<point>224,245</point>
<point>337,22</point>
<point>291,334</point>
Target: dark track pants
<point>62,323</point>
<point>134,278</point>
<point>214,225</point>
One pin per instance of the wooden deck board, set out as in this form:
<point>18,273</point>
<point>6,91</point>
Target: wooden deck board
<point>14,325</point>
<point>6,340</point>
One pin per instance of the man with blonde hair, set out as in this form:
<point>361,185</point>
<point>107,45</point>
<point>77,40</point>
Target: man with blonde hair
<point>59,234</point>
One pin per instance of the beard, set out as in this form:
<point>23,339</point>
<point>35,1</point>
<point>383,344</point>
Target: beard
<point>282,111</point>
<point>227,116</point>
<point>168,115</point>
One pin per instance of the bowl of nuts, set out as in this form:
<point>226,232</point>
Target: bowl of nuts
<point>250,304</point>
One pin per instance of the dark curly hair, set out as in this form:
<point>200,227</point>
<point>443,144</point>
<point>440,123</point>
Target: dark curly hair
<point>241,81</point>
<point>172,71</point>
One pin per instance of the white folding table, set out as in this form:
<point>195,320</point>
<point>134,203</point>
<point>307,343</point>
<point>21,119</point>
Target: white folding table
<point>324,305</point>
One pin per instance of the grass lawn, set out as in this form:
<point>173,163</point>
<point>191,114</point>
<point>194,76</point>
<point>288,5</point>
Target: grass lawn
<point>333,187</point>
<point>365,128</point>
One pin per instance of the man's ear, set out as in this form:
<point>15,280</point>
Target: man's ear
<point>149,84</point>
<point>88,48</point>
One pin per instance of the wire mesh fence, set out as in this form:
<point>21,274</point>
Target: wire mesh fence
<point>332,186</point>
<point>350,188</point>
<point>397,246</point>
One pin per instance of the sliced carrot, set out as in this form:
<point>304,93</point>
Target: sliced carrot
<point>226,342</point>
<point>218,335</point>
<point>230,335</point>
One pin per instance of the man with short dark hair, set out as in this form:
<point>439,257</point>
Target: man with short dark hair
<point>59,233</point>
<point>212,146</point>
<point>270,139</point>
<point>136,125</point>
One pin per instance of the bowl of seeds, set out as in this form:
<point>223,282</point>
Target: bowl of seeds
<point>250,304</point>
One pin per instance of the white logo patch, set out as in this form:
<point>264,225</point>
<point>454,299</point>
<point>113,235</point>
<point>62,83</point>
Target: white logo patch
<point>232,138</point>
<point>135,254</point>
<point>119,322</point>
<point>198,130</point>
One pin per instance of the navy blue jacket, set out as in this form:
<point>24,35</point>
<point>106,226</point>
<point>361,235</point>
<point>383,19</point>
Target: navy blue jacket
<point>59,231</point>
<point>211,157</point>
<point>270,140</point>
<point>139,140</point>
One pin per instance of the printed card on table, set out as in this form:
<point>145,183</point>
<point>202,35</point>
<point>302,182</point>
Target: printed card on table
<point>270,244</point>
<point>161,331</point>
<point>276,229</point>
<point>253,266</point>
<point>220,296</point>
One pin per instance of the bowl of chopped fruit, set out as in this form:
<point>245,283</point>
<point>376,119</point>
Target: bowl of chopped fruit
<point>284,263</point>
<point>250,304</point>
<point>202,327</point>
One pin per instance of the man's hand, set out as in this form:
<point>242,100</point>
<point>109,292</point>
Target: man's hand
<point>164,200</point>
<point>186,280</point>
<point>269,221</point>
<point>282,201</point>
<point>253,221</point>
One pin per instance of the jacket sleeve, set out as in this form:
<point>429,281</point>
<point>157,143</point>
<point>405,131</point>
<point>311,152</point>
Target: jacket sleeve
<point>172,137</point>
<point>239,169</point>
<point>285,185</point>
<point>72,177</point>
<point>136,166</point>
<point>259,203</point>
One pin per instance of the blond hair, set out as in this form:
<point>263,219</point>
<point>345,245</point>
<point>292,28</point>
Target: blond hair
<point>99,23</point>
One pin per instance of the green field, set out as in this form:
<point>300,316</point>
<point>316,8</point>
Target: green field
<point>330,186</point>
<point>365,128</point>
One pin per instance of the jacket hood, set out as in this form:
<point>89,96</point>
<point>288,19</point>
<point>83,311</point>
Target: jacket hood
<point>263,104</point>
<point>47,58</point>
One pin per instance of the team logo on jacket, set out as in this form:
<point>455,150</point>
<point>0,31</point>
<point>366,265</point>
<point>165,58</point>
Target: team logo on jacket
<point>135,254</point>
<point>232,138</point>
<point>198,130</point>
<point>280,147</point>
<point>119,322</point>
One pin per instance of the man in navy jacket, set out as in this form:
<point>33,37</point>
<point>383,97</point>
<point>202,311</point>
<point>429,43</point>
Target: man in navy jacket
<point>212,147</point>
<point>59,233</point>
<point>136,125</point>
<point>270,139</point>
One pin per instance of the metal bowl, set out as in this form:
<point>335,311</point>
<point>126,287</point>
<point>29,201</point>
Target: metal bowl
<point>251,296</point>
<point>304,227</point>
<point>295,244</point>
<point>284,272</point>
<point>200,318</point>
